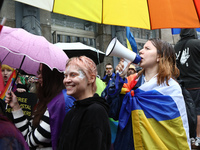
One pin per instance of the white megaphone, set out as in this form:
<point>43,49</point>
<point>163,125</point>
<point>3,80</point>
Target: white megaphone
<point>115,48</point>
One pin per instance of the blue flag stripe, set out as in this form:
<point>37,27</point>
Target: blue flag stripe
<point>155,105</point>
<point>178,30</point>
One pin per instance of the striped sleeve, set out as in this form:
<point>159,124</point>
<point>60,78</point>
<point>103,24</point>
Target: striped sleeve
<point>40,136</point>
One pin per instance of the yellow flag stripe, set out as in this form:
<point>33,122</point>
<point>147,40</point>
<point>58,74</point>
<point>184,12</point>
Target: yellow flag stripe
<point>128,44</point>
<point>151,134</point>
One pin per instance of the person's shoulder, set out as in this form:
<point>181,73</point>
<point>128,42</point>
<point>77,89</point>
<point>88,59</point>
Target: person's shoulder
<point>113,74</point>
<point>97,112</point>
<point>193,43</point>
<point>173,82</point>
<point>171,89</point>
<point>58,99</point>
<point>98,107</point>
<point>174,87</point>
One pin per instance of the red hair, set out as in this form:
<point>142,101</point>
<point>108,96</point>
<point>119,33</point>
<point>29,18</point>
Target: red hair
<point>86,65</point>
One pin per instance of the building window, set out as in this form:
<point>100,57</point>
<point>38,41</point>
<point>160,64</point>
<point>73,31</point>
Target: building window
<point>68,35</point>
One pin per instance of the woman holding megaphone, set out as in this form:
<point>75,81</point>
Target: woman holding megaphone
<point>152,113</point>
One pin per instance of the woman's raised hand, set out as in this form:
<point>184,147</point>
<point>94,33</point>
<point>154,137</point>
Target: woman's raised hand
<point>120,68</point>
<point>11,99</point>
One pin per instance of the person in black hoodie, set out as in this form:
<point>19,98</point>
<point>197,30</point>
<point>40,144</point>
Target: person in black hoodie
<point>86,125</point>
<point>188,61</point>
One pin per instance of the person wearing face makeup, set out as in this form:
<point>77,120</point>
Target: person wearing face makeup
<point>86,125</point>
<point>43,130</point>
<point>152,114</point>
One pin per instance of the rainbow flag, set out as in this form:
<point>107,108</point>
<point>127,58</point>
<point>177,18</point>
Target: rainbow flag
<point>131,44</point>
<point>131,82</point>
<point>158,113</point>
<point>9,85</point>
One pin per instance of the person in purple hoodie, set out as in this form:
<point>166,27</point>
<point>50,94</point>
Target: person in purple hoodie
<point>43,130</point>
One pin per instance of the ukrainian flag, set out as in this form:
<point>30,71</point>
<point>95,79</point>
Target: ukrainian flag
<point>159,119</point>
<point>131,44</point>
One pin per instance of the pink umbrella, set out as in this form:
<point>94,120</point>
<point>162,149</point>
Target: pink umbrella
<point>23,50</point>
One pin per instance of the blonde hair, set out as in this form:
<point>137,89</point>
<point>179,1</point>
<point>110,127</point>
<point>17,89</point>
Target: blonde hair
<point>6,67</point>
<point>86,65</point>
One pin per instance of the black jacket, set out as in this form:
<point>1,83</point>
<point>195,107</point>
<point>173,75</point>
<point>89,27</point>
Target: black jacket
<point>86,126</point>
<point>188,58</point>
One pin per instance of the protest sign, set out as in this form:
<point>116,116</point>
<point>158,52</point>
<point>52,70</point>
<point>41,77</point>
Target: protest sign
<point>27,101</point>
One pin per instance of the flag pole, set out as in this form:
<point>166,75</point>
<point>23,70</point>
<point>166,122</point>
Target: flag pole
<point>19,70</point>
<point>12,84</point>
<point>173,40</point>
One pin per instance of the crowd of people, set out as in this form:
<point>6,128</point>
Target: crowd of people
<point>70,114</point>
<point>24,82</point>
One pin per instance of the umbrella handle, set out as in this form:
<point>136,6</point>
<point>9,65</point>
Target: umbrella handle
<point>18,71</point>
<point>16,77</point>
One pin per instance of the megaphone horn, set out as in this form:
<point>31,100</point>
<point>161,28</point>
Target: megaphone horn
<point>115,48</point>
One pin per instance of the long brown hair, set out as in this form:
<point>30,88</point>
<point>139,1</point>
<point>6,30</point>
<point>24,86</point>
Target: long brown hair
<point>167,65</point>
<point>52,85</point>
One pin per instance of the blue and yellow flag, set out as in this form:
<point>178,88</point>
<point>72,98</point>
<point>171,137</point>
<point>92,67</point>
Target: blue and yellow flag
<point>159,118</point>
<point>131,44</point>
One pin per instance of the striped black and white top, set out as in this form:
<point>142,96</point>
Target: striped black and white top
<point>39,137</point>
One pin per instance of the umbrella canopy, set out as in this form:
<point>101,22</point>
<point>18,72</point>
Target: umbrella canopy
<point>79,49</point>
<point>17,44</point>
<point>146,14</point>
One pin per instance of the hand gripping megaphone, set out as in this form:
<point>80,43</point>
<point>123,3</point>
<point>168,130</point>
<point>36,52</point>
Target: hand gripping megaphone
<point>115,48</point>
